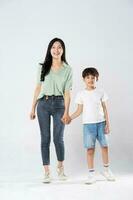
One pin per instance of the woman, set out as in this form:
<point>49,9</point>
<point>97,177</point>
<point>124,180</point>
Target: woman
<point>52,98</point>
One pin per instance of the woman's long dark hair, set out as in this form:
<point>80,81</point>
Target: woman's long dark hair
<point>46,66</point>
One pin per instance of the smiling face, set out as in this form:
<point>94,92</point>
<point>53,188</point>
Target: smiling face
<point>56,50</point>
<point>90,81</point>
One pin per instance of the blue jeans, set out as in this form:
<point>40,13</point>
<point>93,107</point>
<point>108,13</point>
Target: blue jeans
<point>94,131</point>
<point>47,107</point>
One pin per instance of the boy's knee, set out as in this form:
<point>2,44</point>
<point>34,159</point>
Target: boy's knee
<point>90,151</point>
<point>104,148</point>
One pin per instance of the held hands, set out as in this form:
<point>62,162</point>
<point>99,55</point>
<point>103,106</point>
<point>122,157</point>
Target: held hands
<point>66,119</point>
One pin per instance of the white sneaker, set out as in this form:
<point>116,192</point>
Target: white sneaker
<point>109,175</point>
<point>47,178</point>
<point>91,178</point>
<point>61,175</point>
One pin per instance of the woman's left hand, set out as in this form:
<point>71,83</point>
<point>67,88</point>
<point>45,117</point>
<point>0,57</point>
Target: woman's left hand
<point>66,119</point>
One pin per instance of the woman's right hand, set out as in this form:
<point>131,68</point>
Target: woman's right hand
<point>33,107</point>
<point>32,115</point>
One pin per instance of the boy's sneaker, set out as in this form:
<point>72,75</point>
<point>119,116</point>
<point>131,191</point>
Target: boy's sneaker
<point>47,178</point>
<point>109,175</point>
<point>61,175</point>
<point>91,178</point>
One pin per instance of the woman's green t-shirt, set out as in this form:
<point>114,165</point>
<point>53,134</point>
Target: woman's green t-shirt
<point>55,83</point>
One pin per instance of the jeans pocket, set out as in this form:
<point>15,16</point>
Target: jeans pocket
<point>59,103</point>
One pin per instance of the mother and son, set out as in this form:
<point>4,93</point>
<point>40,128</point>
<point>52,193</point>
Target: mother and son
<point>52,98</point>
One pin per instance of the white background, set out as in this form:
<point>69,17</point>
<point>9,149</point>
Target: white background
<point>96,33</point>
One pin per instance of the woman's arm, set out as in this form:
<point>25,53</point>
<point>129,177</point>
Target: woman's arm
<point>107,127</point>
<point>34,103</point>
<point>66,118</point>
<point>77,112</point>
<point>67,100</point>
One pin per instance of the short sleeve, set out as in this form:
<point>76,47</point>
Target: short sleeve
<point>104,97</point>
<point>78,99</point>
<point>68,84</point>
<point>38,78</point>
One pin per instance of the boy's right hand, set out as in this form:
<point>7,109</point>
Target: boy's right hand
<point>69,121</point>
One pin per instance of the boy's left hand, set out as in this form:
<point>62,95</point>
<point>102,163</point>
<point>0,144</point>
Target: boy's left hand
<point>107,129</point>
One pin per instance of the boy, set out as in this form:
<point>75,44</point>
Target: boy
<point>92,102</point>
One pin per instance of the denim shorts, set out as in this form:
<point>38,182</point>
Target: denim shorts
<point>94,131</point>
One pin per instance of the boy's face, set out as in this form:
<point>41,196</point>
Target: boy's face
<point>90,81</point>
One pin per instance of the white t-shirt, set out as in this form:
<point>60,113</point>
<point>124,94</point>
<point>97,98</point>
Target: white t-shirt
<point>92,107</point>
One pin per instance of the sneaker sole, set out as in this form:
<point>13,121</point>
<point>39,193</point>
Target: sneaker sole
<point>48,181</point>
<point>62,179</point>
<point>90,183</point>
<point>108,179</point>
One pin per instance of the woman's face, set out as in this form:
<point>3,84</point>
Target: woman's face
<point>56,50</point>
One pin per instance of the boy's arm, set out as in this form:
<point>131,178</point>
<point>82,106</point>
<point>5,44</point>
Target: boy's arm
<point>107,127</point>
<point>77,112</point>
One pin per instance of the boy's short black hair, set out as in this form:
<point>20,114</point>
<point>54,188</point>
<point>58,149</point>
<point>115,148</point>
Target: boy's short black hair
<point>90,71</point>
